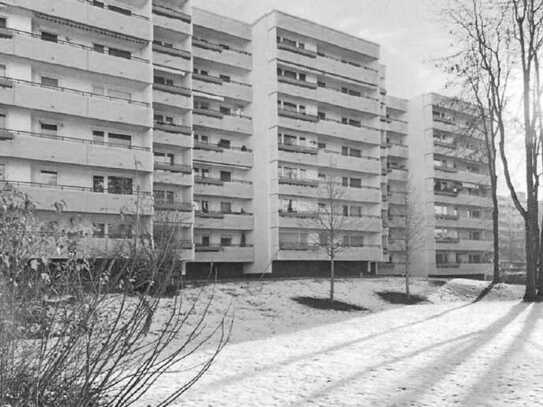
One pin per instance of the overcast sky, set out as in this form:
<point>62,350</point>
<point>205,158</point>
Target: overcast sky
<point>409,32</point>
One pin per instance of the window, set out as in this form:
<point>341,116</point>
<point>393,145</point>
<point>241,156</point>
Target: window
<point>49,177</point>
<point>167,158</point>
<point>47,81</point>
<point>2,172</point>
<point>321,84</point>
<point>225,110</point>
<point>475,258</point>
<point>345,181</point>
<point>442,258</point>
<point>49,128</point>
<point>120,53</point>
<point>99,48</point>
<point>98,137</point>
<point>344,150</point>
<point>356,183</point>
<point>205,241</point>
<point>205,206</point>
<point>120,10</point>
<point>345,210</point>
<point>223,143</point>
<point>99,230</point>
<point>225,78</point>
<point>474,213</point>
<point>226,207</point>
<point>226,176</point>
<point>3,22</point>
<point>475,235</point>
<point>355,152</point>
<point>356,211</point>
<point>164,196</point>
<point>226,241</point>
<point>120,185</point>
<point>120,139</point>
<point>47,36</point>
<point>98,183</point>
<point>322,146</point>
<point>321,115</point>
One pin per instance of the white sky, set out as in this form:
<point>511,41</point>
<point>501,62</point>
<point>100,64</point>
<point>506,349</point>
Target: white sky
<point>409,32</point>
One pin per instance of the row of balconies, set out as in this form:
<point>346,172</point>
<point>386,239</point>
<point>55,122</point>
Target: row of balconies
<point>35,96</point>
<point>461,245</point>
<point>452,174</point>
<point>84,199</point>
<point>205,152</point>
<point>365,134</point>
<point>108,17</point>
<point>364,194</point>
<point>227,89</point>
<point>226,123</point>
<point>327,65</point>
<point>220,54</point>
<point>224,254</point>
<point>214,187</point>
<point>309,220</point>
<point>305,251</point>
<point>30,45</point>
<point>75,151</point>
<point>329,96</point>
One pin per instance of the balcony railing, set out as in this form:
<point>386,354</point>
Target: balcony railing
<point>292,48</point>
<point>198,145</point>
<point>447,265</point>
<point>297,82</point>
<point>7,132</point>
<point>173,206</point>
<point>115,9</point>
<point>217,80</point>
<point>171,13</point>
<point>361,125</point>
<point>367,68</point>
<point>218,114</point>
<point>217,181</point>
<point>165,166</point>
<point>176,52</point>
<point>298,115</point>
<point>71,188</point>
<point>173,128</point>
<point>205,44</point>
<point>176,90</point>
<point>75,91</point>
<point>298,149</point>
<point>297,246</point>
<point>210,214</point>
<point>298,214</point>
<point>447,239</point>
<point>304,182</point>
<point>69,43</point>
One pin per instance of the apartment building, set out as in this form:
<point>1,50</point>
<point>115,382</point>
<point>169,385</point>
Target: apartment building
<point>223,145</point>
<point>173,181</point>
<point>318,102</point>
<point>512,235</point>
<point>449,189</point>
<point>76,113</point>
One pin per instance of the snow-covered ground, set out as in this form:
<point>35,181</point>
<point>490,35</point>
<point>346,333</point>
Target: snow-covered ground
<point>448,354</point>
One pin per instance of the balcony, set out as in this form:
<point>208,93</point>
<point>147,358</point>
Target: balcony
<point>237,157</point>
<point>182,179</point>
<point>74,55</point>
<point>463,199</point>
<point>398,150</point>
<point>463,245</point>
<point>173,206</point>
<point>368,165</point>
<point>216,120</point>
<point>225,254</point>
<point>397,126</point>
<point>303,182</point>
<point>462,269</point>
<point>228,221</point>
<point>397,198</point>
<point>331,128</point>
<point>300,251</point>
<point>228,89</point>
<point>172,139</point>
<point>165,166</point>
<point>34,96</point>
<point>308,220</point>
<point>217,54</point>
<point>346,101</point>
<point>173,128</point>
<point>75,151</point>
<point>332,66</point>
<point>176,96</point>
<point>171,19</point>
<point>216,188</point>
<point>112,18</point>
<point>298,149</point>
<point>466,223</point>
<point>83,199</point>
<point>397,174</point>
<point>463,176</point>
<point>171,57</point>
<point>298,115</point>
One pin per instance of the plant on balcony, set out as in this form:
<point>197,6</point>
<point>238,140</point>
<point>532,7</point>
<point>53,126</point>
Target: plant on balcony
<point>78,332</point>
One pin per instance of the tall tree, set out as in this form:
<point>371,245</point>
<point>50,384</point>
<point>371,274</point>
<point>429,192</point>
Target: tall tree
<point>500,46</point>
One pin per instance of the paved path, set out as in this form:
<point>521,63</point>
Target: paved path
<point>485,354</point>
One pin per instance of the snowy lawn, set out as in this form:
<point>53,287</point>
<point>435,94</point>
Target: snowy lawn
<point>448,353</point>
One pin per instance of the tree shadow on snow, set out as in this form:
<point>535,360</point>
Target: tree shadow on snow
<point>396,297</point>
<point>326,304</point>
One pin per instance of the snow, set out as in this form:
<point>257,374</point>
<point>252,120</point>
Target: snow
<point>488,353</point>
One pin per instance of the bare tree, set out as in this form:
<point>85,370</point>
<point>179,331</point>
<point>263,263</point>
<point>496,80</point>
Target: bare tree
<point>79,332</point>
<point>503,42</point>
<point>414,234</point>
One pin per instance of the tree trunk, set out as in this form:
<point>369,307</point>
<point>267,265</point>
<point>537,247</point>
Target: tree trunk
<point>407,290</point>
<point>495,230</point>
<point>531,255</point>
<point>332,276</point>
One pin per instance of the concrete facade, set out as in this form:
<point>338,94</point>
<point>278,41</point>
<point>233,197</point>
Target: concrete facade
<point>226,131</point>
